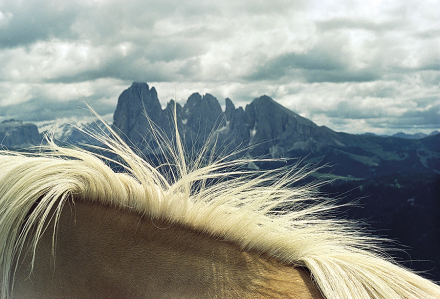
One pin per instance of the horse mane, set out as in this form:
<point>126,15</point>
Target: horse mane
<point>258,211</point>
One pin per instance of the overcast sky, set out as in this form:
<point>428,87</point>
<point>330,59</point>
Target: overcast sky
<point>354,66</point>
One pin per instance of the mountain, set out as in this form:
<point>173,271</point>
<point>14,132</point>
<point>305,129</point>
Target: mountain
<point>16,134</point>
<point>415,136</point>
<point>139,110</point>
<point>263,128</point>
<point>268,129</point>
<point>133,105</point>
<point>73,133</point>
<point>264,124</point>
<point>407,136</point>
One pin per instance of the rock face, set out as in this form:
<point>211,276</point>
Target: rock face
<point>280,130</point>
<point>272,128</point>
<point>139,110</point>
<point>268,129</point>
<point>15,133</point>
<point>133,105</point>
<point>203,113</point>
<point>237,127</point>
<point>71,134</point>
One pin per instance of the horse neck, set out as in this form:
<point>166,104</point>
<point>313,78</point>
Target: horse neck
<point>103,252</point>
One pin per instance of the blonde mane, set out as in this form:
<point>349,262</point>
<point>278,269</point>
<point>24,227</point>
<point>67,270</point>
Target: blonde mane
<point>258,211</point>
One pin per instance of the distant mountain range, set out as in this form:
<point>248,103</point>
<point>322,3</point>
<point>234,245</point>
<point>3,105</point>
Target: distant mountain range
<point>407,136</point>
<point>15,133</point>
<point>263,128</point>
<point>268,129</point>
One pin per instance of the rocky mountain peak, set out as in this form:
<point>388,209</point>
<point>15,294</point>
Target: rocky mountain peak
<point>230,108</point>
<point>264,127</point>
<point>278,130</point>
<point>265,124</point>
<point>15,133</point>
<point>134,104</point>
<point>269,129</point>
<point>203,113</point>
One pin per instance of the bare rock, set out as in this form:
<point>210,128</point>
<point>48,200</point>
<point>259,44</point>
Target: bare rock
<point>15,133</point>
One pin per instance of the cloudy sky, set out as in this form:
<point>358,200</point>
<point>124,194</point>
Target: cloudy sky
<point>354,66</point>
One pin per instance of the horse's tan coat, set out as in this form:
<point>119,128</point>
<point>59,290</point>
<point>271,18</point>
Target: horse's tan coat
<point>103,252</point>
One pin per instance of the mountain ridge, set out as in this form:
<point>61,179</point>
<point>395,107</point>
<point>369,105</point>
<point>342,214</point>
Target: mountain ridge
<point>16,133</point>
<point>269,129</point>
<point>263,128</point>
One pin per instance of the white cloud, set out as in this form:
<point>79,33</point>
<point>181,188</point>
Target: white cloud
<point>5,19</point>
<point>13,94</point>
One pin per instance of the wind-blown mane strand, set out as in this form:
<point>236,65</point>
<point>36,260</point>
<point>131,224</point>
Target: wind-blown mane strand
<point>246,208</point>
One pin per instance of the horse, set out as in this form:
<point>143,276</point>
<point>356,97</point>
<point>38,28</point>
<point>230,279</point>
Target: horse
<point>73,227</point>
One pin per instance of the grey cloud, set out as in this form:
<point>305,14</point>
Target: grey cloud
<point>361,122</point>
<point>141,21</point>
<point>347,110</point>
<point>428,119</point>
<point>232,9</point>
<point>278,7</point>
<point>427,34</point>
<point>155,55</point>
<point>130,68</point>
<point>191,69</point>
<point>427,64</point>
<point>37,20</point>
<point>173,48</point>
<point>313,76</point>
<point>157,61</point>
<point>104,23</point>
<point>365,24</point>
<point>292,64</point>
<point>37,110</point>
<point>318,65</point>
<point>430,77</point>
